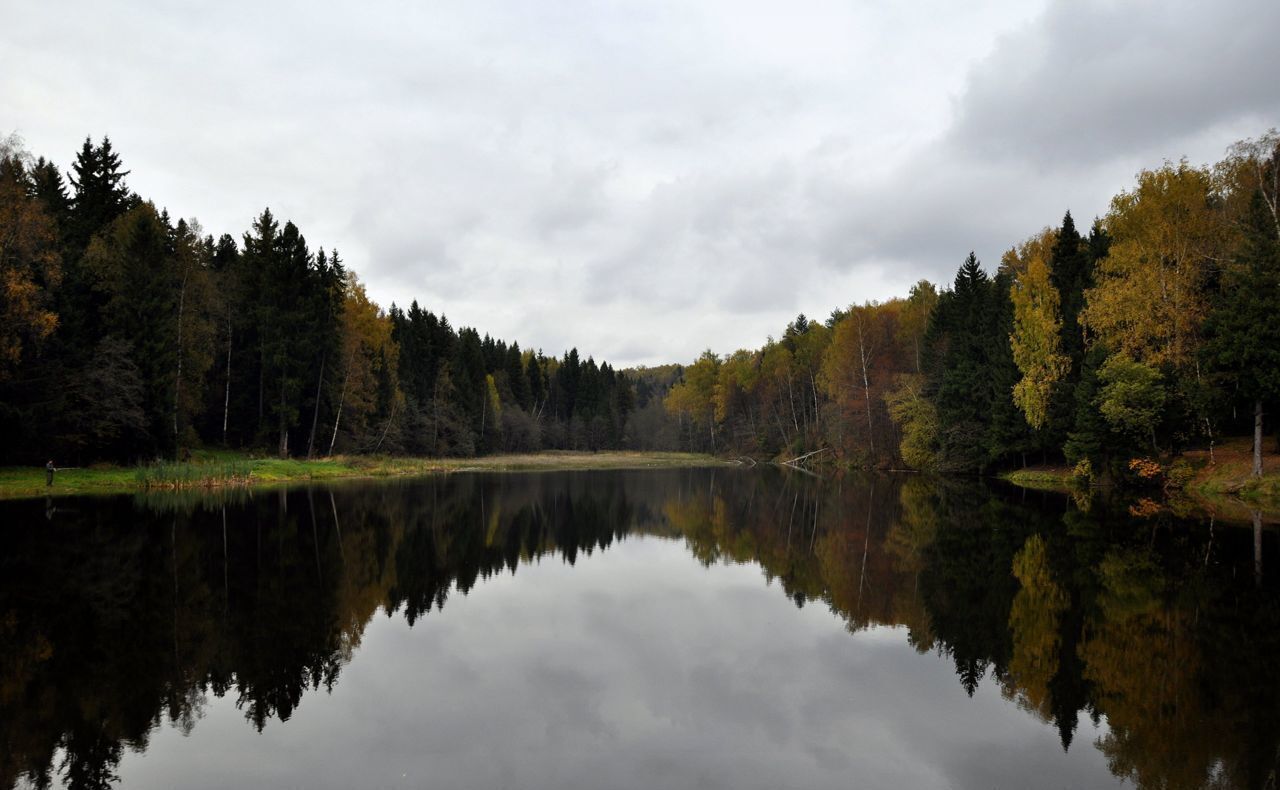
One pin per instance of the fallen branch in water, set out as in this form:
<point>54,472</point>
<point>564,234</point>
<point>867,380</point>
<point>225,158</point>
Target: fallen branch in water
<point>796,462</point>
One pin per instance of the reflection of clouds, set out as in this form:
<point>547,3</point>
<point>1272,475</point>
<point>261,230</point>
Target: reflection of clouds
<point>639,668</point>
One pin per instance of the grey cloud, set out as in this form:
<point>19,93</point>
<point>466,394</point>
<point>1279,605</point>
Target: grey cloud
<point>1096,81</point>
<point>642,179</point>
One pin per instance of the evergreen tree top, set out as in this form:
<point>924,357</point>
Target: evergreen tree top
<point>970,277</point>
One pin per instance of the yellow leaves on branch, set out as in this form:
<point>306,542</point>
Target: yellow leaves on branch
<point>366,347</point>
<point>695,396</point>
<point>29,263</point>
<point>1036,325</point>
<point>1149,300</point>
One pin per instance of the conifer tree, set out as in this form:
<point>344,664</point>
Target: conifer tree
<point>1244,327</point>
<point>962,387</point>
<point>100,191</point>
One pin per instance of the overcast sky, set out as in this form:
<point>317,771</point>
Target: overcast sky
<point>641,179</point>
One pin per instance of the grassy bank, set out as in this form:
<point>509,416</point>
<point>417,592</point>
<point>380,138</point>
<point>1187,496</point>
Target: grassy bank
<point>210,470</point>
<point>1221,483</point>
<point>1224,481</point>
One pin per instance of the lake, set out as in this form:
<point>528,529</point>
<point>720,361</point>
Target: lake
<point>678,628</point>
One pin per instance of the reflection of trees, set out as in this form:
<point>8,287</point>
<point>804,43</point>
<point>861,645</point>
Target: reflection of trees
<point>1089,611</point>
<point>120,616</point>
<point>1034,625</point>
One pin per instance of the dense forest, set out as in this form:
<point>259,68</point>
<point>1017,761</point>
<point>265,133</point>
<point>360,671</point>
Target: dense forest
<point>126,335</point>
<point>1155,330</point>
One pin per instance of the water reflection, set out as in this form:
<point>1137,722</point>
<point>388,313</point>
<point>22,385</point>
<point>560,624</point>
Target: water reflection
<point>120,616</point>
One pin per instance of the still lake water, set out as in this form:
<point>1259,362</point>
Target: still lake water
<point>653,629</point>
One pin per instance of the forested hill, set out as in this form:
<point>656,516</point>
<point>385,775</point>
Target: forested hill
<point>126,335</point>
<point>1111,349</point>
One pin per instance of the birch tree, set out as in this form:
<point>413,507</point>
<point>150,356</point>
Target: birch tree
<point>1035,339</point>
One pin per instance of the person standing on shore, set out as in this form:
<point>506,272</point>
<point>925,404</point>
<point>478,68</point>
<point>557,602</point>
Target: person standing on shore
<point>49,469</point>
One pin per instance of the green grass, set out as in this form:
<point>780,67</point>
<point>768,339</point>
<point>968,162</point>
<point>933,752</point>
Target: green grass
<point>220,469</point>
<point>1229,491</point>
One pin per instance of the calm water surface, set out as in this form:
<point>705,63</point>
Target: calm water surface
<point>673,628</point>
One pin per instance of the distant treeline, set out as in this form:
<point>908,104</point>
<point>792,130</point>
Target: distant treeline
<point>127,335</point>
<point>1158,329</point>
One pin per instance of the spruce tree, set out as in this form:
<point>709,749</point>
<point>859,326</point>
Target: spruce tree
<point>100,191</point>
<point>962,388</point>
<point>516,377</point>
<point>1244,327</point>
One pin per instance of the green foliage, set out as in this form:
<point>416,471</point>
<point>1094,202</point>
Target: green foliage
<point>1132,398</point>
<point>918,419</point>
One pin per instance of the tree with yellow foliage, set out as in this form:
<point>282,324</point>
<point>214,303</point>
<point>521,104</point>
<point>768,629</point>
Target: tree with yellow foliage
<point>29,263</point>
<point>368,352</point>
<point>1150,299</point>
<point>1036,327</point>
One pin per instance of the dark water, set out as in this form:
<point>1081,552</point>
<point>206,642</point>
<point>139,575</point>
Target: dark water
<point>678,628</point>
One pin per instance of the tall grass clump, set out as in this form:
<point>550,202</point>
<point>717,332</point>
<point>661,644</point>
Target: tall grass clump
<point>176,474</point>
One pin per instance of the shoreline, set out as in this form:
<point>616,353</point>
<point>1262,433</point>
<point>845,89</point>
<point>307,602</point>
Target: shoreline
<point>212,471</point>
<point>1222,489</point>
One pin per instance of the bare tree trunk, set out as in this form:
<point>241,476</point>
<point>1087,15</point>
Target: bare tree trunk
<point>387,427</point>
<point>177,380</point>
<point>817,415</point>
<point>342,396</point>
<point>1257,438</point>
<point>226,397</point>
<point>1208,429</point>
<point>315,414</point>
<point>866,387</point>
<point>791,396</point>
<point>782,428</point>
<point>284,427</point>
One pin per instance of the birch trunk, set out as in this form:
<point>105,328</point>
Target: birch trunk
<point>342,396</point>
<point>284,428</point>
<point>866,387</point>
<point>866,394</point>
<point>226,397</point>
<point>791,396</point>
<point>315,413</point>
